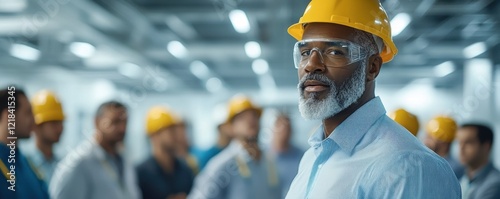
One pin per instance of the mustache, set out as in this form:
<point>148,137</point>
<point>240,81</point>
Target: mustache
<point>317,77</point>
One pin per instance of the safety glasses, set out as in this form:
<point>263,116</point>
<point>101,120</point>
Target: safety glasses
<point>331,52</point>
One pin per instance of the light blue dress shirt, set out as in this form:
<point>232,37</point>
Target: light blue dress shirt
<point>370,156</point>
<point>89,172</point>
<point>43,165</point>
<point>233,174</point>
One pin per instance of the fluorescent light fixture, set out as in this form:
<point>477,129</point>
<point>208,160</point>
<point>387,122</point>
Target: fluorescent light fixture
<point>13,6</point>
<point>199,69</point>
<point>177,49</point>
<point>82,49</point>
<point>130,70</point>
<point>252,49</point>
<point>474,50</point>
<point>24,52</point>
<point>240,21</point>
<point>444,69</point>
<point>213,84</point>
<point>399,23</point>
<point>260,66</point>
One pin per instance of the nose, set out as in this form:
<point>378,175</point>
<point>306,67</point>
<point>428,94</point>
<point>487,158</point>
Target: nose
<point>315,62</point>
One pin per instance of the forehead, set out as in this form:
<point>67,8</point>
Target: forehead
<point>328,31</point>
<point>115,112</point>
<point>467,133</point>
<point>246,114</point>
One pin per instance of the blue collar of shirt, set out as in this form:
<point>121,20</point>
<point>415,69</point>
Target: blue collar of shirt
<point>482,173</point>
<point>348,134</point>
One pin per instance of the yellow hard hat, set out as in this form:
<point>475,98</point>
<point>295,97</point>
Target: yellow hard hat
<point>442,128</point>
<point>406,119</point>
<point>240,103</point>
<point>159,117</point>
<point>46,107</point>
<point>365,15</point>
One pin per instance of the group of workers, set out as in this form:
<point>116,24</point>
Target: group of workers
<point>99,168</point>
<point>478,177</point>
<point>357,151</point>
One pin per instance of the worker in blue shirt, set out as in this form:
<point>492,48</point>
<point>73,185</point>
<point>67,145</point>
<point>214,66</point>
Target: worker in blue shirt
<point>163,175</point>
<point>49,117</point>
<point>358,152</point>
<point>482,179</point>
<point>286,155</point>
<point>223,140</point>
<point>241,170</point>
<point>18,180</point>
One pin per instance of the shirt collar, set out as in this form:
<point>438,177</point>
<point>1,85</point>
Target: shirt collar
<point>348,134</point>
<point>482,173</point>
<point>100,153</point>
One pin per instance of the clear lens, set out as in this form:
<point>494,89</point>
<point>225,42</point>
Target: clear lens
<point>331,52</point>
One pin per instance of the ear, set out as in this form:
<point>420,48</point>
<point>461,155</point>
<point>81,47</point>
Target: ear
<point>373,68</point>
<point>4,115</point>
<point>96,122</point>
<point>487,147</point>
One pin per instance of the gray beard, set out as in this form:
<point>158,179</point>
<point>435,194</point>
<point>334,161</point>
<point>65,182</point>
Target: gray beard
<point>338,99</point>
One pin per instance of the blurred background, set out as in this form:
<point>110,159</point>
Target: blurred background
<point>193,55</point>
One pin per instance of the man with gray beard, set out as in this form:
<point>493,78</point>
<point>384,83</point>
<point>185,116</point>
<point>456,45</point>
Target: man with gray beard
<point>358,152</point>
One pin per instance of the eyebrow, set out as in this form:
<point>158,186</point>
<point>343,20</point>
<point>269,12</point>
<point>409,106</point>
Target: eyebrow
<point>327,43</point>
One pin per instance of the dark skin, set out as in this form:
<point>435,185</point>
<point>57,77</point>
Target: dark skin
<point>24,121</point>
<point>48,134</point>
<point>110,128</point>
<point>339,74</point>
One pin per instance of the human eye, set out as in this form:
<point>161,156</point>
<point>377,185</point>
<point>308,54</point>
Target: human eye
<point>305,52</point>
<point>334,51</point>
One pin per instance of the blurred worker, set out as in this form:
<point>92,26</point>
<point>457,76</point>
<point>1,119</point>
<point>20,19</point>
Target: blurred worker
<point>358,152</point>
<point>163,176</point>
<point>482,179</point>
<point>241,170</point>
<point>18,180</point>
<point>49,118</point>
<point>287,155</point>
<point>183,148</point>
<point>97,169</point>
<point>440,135</point>
<point>223,140</point>
<point>406,119</point>
<point>224,137</point>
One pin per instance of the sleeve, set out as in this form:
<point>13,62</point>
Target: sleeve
<point>408,175</point>
<point>213,182</point>
<point>69,181</point>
